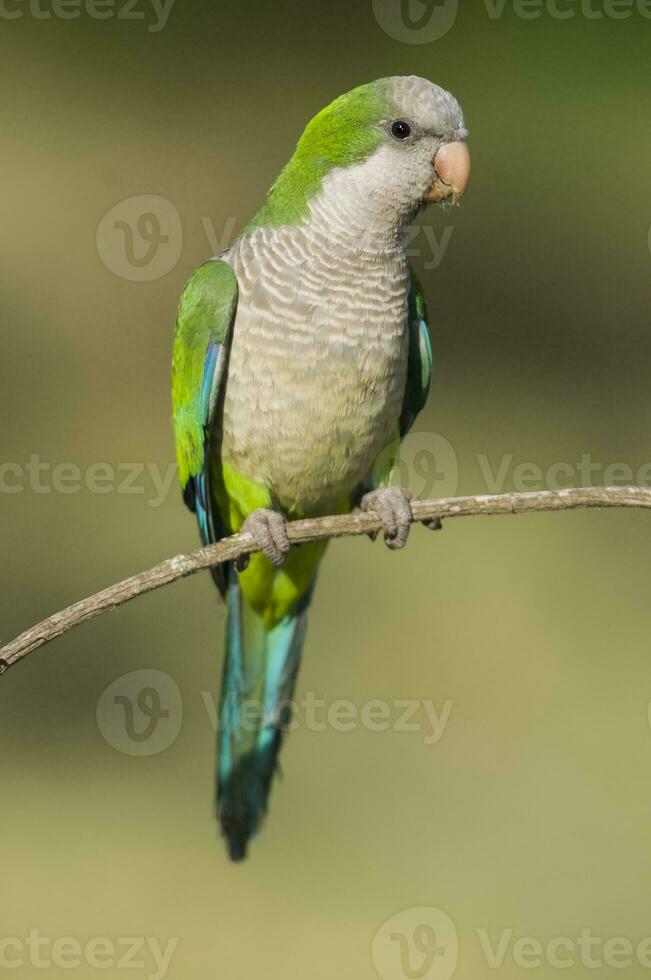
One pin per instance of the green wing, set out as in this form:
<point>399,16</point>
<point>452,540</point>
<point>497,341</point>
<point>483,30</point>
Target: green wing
<point>419,365</point>
<point>203,332</point>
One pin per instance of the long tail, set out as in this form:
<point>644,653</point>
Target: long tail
<point>257,687</point>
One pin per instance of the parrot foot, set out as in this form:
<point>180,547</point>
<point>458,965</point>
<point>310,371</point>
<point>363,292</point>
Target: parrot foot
<point>270,533</point>
<point>392,505</point>
<point>433,524</point>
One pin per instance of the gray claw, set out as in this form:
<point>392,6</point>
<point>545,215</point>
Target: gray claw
<point>270,533</point>
<point>433,524</point>
<point>393,507</point>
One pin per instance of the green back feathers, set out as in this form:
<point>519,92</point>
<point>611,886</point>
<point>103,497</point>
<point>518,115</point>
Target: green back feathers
<point>419,365</point>
<point>206,313</point>
<point>343,133</point>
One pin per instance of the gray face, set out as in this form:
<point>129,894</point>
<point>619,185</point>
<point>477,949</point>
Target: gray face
<point>423,118</point>
<point>429,110</point>
<point>422,135</point>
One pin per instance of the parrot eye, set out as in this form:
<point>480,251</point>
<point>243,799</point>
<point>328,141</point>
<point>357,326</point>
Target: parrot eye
<point>401,129</point>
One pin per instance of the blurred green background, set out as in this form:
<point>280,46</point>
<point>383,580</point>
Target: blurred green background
<point>531,812</point>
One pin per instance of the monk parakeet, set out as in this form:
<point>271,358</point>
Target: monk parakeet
<point>300,355</point>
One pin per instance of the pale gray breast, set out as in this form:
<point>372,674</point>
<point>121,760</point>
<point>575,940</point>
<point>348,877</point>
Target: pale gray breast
<point>317,366</point>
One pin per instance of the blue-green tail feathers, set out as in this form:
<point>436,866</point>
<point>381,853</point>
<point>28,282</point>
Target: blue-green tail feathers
<point>260,669</point>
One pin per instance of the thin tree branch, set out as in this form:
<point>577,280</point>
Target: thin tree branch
<point>313,529</point>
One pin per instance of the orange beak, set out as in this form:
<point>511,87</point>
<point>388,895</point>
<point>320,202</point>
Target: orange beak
<point>452,166</point>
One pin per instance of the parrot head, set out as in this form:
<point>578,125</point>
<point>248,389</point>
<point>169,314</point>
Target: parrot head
<point>392,145</point>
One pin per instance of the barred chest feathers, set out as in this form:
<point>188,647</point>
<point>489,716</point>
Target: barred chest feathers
<point>318,361</point>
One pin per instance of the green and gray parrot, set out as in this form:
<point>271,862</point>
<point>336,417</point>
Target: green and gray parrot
<point>301,357</point>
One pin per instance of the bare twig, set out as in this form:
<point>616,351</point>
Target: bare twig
<point>313,529</point>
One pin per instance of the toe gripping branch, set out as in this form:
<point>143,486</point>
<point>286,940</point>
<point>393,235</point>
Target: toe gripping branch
<point>435,524</point>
